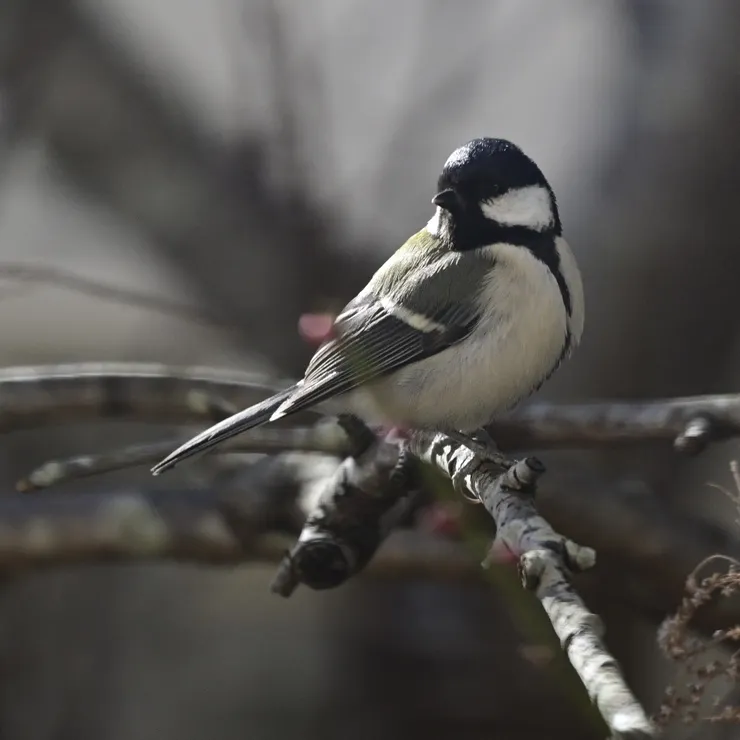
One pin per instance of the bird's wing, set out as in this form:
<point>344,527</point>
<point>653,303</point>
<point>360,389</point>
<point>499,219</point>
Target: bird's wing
<point>429,303</point>
<point>419,318</point>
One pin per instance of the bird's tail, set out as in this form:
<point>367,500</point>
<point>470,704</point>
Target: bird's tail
<point>252,417</point>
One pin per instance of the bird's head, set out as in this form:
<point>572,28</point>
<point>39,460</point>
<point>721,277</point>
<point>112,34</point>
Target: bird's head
<point>491,191</point>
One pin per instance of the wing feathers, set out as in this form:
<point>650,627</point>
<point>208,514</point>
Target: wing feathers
<point>236,424</point>
<point>428,304</point>
<point>371,343</point>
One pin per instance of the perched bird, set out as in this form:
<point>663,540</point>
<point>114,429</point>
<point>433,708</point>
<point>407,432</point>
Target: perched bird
<point>472,314</point>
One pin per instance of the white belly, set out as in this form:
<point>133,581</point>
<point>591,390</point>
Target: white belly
<point>506,357</point>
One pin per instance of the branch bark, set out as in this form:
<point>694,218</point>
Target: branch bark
<point>546,562</point>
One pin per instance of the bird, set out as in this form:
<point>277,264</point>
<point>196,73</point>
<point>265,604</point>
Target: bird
<point>471,315</point>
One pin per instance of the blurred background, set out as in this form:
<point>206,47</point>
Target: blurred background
<point>257,159</point>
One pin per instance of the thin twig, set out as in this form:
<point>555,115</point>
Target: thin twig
<point>326,439</point>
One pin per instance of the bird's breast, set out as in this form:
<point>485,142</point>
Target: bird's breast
<point>514,347</point>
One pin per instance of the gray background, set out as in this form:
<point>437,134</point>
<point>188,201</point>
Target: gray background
<point>258,159</point>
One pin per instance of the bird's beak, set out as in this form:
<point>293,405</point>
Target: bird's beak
<point>447,199</point>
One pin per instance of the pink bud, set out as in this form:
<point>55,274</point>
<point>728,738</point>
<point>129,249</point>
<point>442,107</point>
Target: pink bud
<point>316,328</point>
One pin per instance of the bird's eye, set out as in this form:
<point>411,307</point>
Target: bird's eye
<point>481,190</point>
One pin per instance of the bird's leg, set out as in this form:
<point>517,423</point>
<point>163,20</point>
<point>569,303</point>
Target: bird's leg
<point>360,435</point>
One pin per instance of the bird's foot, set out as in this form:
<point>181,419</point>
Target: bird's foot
<point>484,447</point>
<point>360,435</point>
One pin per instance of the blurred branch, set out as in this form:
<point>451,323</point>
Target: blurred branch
<point>655,548</point>
<point>29,274</point>
<point>356,508</point>
<point>244,519</point>
<point>39,396</point>
<point>185,526</point>
<point>33,396</point>
<point>689,423</point>
<point>322,438</point>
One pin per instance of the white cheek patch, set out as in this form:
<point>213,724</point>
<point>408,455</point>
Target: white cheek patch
<point>434,225</point>
<point>530,207</point>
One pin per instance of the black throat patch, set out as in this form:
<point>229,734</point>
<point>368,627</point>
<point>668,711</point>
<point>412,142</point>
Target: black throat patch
<point>481,233</point>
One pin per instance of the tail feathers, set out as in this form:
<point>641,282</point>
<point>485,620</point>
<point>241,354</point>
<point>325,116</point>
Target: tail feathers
<point>252,417</point>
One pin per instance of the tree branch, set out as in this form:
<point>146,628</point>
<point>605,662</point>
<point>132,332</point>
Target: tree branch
<point>38,396</point>
<point>323,438</point>
<point>688,423</point>
<point>355,510</point>
<point>246,520</point>
<point>659,547</point>
<point>546,561</point>
<point>622,520</point>
<point>32,397</point>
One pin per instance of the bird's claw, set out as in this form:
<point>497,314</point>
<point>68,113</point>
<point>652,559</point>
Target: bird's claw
<point>484,447</point>
<point>485,451</point>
